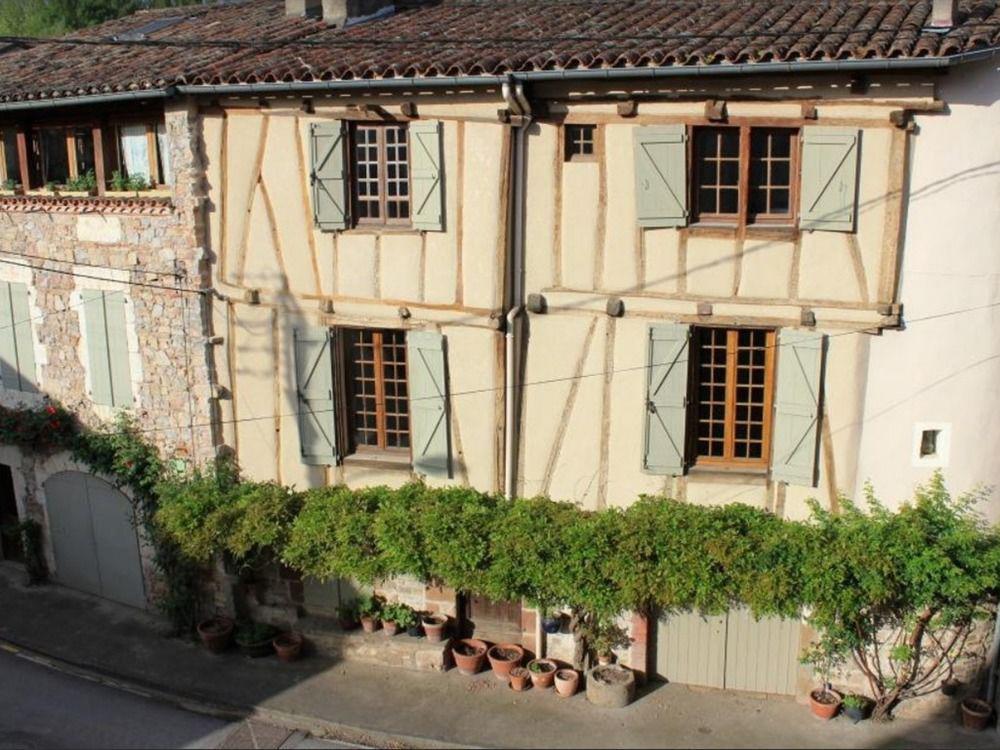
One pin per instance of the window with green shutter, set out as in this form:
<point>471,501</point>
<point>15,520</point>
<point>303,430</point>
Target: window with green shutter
<point>661,175</point>
<point>314,389</point>
<point>829,178</point>
<point>666,399</point>
<point>328,175</point>
<point>427,175</point>
<point>797,406</point>
<point>17,352</point>
<point>107,348</point>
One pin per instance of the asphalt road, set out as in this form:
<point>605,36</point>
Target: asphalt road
<point>44,708</point>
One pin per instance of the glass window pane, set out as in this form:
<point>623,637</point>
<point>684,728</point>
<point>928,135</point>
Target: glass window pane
<point>729,201</point>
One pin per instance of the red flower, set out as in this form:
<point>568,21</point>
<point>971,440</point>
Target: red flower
<point>50,409</point>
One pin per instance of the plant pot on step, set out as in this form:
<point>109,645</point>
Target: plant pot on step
<point>434,627</point>
<point>825,703</point>
<point>503,658</point>
<point>543,672</point>
<point>469,655</point>
<point>552,625</point>
<point>369,624</point>
<point>256,639</point>
<point>288,646</point>
<point>567,681</point>
<point>950,686</point>
<point>611,686</point>
<point>976,714</point>
<point>415,631</point>
<point>216,633</point>
<point>605,659</point>
<point>389,627</point>
<point>520,679</point>
<point>857,707</point>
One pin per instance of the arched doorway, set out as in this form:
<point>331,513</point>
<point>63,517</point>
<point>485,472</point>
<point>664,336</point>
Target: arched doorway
<point>94,538</point>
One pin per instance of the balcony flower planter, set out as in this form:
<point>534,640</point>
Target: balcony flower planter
<point>543,672</point>
<point>469,655</point>
<point>825,703</point>
<point>976,714</point>
<point>216,633</point>
<point>503,658</point>
<point>567,681</point>
<point>288,646</point>
<point>520,679</point>
<point>434,627</point>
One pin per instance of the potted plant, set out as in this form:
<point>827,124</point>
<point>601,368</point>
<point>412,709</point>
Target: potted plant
<point>950,686</point>
<point>126,186</point>
<point>469,655</point>
<point>395,617</point>
<point>347,616</point>
<point>520,678</point>
<point>543,672</point>
<point>976,714</point>
<point>605,638</point>
<point>288,646</point>
<point>216,633</point>
<point>369,610</point>
<point>415,629</point>
<point>610,686</point>
<point>434,627</point>
<point>255,639</point>
<point>10,187</point>
<point>857,707</point>
<point>503,658</point>
<point>552,622</point>
<point>824,701</point>
<point>567,681</point>
<point>81,186</point>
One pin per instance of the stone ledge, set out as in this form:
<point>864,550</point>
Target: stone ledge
<point>401,650</point>
<point>149,206</point>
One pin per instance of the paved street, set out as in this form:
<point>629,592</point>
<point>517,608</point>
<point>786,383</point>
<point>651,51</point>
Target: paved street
<point>43,708</point>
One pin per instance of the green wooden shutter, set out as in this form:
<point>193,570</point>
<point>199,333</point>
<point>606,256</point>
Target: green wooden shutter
<point>328,175</point>
<point>425,361</point>
<point>314,391</point>
<point>107,348</point>
<point>121,375</point>
<point>666,399</point>
<point>797,405</point>
<point>661,175</point>
<point>427,178</point>
<point>829,178</point>
<point>17,352</point>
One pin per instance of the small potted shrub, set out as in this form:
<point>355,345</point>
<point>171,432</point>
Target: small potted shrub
<point>81,186</point>
<point>543,672</point>
<point>288,646</point>
<point>520,678</point>
<point>469,655</point>
<point>824,701</point>
<point>976,714</point>
<point>347,616</point>
<point>434,627</point>
<point>10,186</point>
<point>503,658</point>
<point>552,622</point>
<point>395,617</point>
<point>216,633</point>
<point>255,639</point>
<point>416,627</point>
<point>857,707</point>
<point>567,681</point>
<point>369,611</point>
<point>605,638</point>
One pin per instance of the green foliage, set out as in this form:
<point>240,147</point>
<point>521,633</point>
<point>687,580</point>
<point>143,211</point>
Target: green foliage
<point>29,534</point>
<point>53,17</point>
<point>119,181</point>
<point>252,633</point>
<point>86,182</point>
<point>369,605</point>
<point>399,613</point>
<point>41,431</point>
<point>853,700</point>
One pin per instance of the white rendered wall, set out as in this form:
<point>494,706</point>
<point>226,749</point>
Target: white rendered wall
<point>944,372</point>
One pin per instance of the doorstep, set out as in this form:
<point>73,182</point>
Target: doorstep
<point>399,650</point>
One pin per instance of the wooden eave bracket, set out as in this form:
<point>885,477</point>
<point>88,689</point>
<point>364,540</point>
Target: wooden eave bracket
<point>628,108</point>
<point>715,110</point>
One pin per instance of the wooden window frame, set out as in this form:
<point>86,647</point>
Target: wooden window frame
<point>152,145</point>
<point>729,461</point>
<point>570,143</point>
<point>743,216</point>
<point>344,387</point>
<point>383,219</point>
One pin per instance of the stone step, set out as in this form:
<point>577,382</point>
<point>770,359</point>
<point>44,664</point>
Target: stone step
<point>400,650</point>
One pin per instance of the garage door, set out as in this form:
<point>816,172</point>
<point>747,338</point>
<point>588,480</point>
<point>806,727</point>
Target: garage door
<point>731,651</point>
<point>94,538</point>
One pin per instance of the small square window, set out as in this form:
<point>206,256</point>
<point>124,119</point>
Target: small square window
<point>580,142</point>
<point>931,444</point>
<point>928,443</point>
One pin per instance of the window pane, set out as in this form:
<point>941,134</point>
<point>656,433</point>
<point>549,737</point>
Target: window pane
<point>729,201</point>
<point>134,145</point>
<point>730,173</point>
<point>10,154</point>
<point>730,142</point>
<point>54,157</point>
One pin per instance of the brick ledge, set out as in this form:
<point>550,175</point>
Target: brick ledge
<point>159,206</point>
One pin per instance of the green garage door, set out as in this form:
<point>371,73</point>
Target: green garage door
<point>94,538</point>
<point>731,651</point>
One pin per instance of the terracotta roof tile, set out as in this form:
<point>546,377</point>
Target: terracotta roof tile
<point>252,41</point>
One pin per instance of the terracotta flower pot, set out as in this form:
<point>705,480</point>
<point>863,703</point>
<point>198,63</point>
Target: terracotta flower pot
<point>605,659</point>
<point>976,714</point>
<point>369,624</point>
<point>567,681</point>
<point>520,678</point>
<point>390,628</point>
<point>216,633</point>
<point>288,646</point>
<point>503,658</point>
<point>543,672</point>
<point>950,686</point>
<point>469,654</point>
<point>434,626</point>
<point>825,703</point>
<point>347,623</point>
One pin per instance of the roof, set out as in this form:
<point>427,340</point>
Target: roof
<point>252,41</point>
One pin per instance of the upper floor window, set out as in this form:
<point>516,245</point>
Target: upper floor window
<point>744,175</point>
<point>580,141</point>
<point>380,174</point>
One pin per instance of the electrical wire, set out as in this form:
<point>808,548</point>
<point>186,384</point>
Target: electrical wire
<point>144,284</point>
<point>147,272</point>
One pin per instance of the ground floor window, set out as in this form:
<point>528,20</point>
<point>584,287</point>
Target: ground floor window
<point>376,389</point>
<point>732,387</point>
